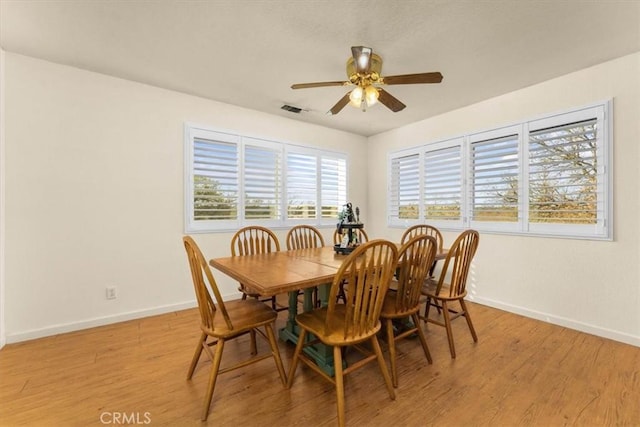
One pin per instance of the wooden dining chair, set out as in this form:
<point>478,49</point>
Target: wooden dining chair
<point>305,236</point>
<point>441,294</point>
<point>414,259</point>
<point>369,269</point>
<point>337,239</point>
<point>222,321</point>
<point>428,230</point>
<point>255,240</point>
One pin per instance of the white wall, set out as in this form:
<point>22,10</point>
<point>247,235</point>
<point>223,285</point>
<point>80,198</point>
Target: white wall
<point>593,286</point>
<point>2,299</point>
<point>94,194</point>
<point>94,198</point>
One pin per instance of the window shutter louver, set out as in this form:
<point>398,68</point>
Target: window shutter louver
<point>494,173</point>
<point>443,184</point>
<point>302,183</point>
<point>563,174</point>
<point>215,180</point>
<point>262,182</point>
<point>333,191</point>
<point>405,187</point>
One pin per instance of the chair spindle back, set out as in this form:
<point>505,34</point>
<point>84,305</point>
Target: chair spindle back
<point>199,270</point>
<point>254,240</point>
<point>414,261</point>
<point>368,270</point>
<point>304,236</point>
<point>460,254</point>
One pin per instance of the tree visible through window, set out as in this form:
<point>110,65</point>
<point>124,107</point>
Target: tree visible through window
<point>563,174</point>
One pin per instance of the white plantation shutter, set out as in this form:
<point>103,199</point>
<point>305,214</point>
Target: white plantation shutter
<point>443,185</point>
<point>494,172</point>
<point>549,177</point>
<point>563,171</point>
<point>215,180</point>
<point>404,192</point>
<point>333,187</point>
<point>569,191</point>
<point>302,183</point>
<point>262,182</point>
<point>234,180</point>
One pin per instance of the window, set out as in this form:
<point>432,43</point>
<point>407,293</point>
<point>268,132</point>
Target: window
<point>302,182</point>
<point>443,190</point>
<point>262,180</point>
<point>405,187</point>
<point>549,176</point>
<point>233,180</point>
<point>494,180</point>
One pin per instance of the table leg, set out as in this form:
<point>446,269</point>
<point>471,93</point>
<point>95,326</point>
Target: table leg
<point>290,330</point>
<point>322,354</point>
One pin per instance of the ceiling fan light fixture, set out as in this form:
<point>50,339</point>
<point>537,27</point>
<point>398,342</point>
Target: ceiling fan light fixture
<point>356,96</point>
<point>371,95</point>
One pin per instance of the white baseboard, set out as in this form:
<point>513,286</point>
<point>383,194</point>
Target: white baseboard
<point>97,321</point>
<point>561,321</point>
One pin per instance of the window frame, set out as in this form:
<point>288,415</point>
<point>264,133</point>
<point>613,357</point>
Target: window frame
<point>191,225</point>
<point>602,230</point>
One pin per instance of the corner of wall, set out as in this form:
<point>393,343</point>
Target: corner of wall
<point>3,338</point>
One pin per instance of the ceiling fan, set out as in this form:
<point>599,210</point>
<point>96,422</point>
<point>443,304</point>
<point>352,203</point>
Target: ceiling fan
<point>363,71</point>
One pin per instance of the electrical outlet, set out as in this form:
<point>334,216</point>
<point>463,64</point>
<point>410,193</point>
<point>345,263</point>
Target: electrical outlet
<point>111,293</point>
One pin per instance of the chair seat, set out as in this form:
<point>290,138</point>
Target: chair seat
<point>245,315</point>
<point>429,289</point>
<point>332,331</point>
<point>389,308</point>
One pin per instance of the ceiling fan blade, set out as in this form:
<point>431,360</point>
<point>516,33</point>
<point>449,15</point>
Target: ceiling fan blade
<point>407,79</point>
<point>362,58</point>
<point>390,101</point>
<point>318,84</point>
<point>340,105</point>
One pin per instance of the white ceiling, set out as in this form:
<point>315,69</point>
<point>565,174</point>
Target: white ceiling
<point>248,53</point>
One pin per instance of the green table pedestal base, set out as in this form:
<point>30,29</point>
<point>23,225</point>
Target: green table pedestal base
<point>322,354</point>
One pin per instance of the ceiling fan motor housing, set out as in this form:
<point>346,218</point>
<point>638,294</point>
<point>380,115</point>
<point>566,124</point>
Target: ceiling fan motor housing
<point>375,68</point>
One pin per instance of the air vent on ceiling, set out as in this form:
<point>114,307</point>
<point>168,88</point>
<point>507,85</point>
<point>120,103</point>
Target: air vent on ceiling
<point>291,109</point>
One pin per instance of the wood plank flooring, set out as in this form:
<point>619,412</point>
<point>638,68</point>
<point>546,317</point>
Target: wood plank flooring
<point>522,372</point>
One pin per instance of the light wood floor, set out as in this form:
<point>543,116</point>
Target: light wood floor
<point>521,372</point>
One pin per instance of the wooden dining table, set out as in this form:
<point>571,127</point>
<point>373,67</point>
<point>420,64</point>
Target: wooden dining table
<point>290,271</point>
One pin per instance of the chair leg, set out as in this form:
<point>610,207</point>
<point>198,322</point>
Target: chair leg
<point>196,355</point>
<point>426,309</point>
<point>296,354</point>
<point>339,378</point>
<point>433,267</point>
<point>447,324</point>
<point>276,353</point>
<point>254,346</point>
<point>423,339</point>
<point>466,316</point>
<point>215,367</point>
<point>391,342</point>
<point>383,367</point>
